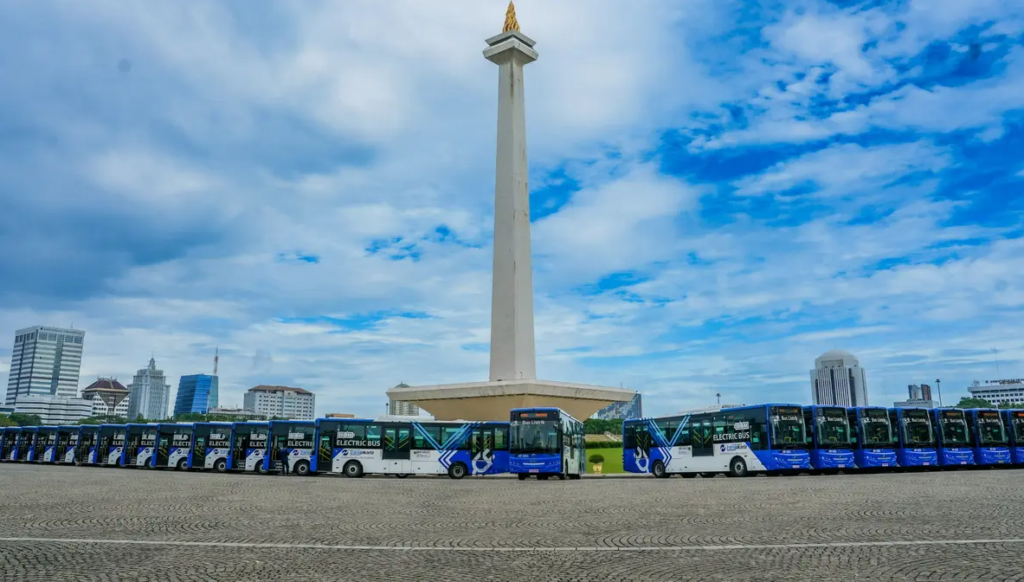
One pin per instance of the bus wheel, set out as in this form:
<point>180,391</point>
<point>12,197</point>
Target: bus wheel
<point>183,465</point>
<point>457,471</point>
<point>522,476</point>
<point>261,469</point>
<point>221,466</point>
<point>353,469</point>
<point>658,470</point>
<point>737,467</point>
<point>708,475</point>
<point>302,468</point>
<point>402,475</point>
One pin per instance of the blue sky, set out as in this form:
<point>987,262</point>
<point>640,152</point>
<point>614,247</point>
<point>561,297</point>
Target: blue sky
<point>721,191</point>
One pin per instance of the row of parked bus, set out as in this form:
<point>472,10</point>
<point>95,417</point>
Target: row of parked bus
<point>770,438</point>
<point>788,438</point>
<point>542,442</point>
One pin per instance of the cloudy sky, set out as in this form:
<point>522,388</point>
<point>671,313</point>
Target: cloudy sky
<point>721,191</point>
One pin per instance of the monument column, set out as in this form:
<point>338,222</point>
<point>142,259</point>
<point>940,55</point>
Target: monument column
<point>512,345</point>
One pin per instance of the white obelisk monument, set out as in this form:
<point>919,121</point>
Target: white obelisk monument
<point>512,346</point>
<point>513,382</point>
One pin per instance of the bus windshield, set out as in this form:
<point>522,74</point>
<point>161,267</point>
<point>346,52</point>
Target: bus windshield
<point>990,428</point>
<point>917,428</point>
<point>954,429</point>
<point>534,436</point>
<point>874,425</point>
<point>1017,426</point>
<point>833,427</point>
<point>788,430</point>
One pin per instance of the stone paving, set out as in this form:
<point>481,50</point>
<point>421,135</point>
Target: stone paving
<point>91,524</point>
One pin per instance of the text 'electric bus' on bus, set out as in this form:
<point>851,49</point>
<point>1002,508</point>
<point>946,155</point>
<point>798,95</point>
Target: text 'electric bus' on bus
<point>875,440</point>
<point>546,442</point>
<point>248,446</point>
<point>990,442</point>
<point>952,437</point>
<point>1014,420</point>
<point>767,438</point>
<point>401,446</point>
<point>828,431</point>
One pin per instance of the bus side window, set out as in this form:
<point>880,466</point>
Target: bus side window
<point>500,438</point>
<point>758,420</point>
<point>684,437</point>
<point>373,433</point>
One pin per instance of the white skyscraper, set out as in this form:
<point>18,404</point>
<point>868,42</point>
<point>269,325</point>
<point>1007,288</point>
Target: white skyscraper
<point>150,394</point>
<point>45,361</point>
<point>838,380</point>
<point>280,401</point>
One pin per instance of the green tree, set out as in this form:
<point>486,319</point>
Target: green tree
<point>22,419</point>
<point>596,459</point>
<point>599,426</point>
<point>6,421</point>
<point>966,402</point>
<point>1011,405</point>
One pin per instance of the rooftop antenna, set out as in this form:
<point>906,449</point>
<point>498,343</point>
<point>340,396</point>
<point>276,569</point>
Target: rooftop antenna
<point>216,359</point>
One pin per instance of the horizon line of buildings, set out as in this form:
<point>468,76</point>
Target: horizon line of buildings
<point>45,372</point>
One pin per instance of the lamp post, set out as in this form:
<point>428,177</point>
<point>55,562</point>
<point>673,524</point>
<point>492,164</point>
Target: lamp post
<point>938,388</point>
<point>719,396</point>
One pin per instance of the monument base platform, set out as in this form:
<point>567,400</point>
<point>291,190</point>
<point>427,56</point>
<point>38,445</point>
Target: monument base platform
<point>494,400</point>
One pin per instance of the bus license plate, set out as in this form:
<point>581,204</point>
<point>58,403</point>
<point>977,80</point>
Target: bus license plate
<point>842,466</point>
<point>796,466</point>
<point>926,463</point>
<point>885,464</point>
<point>963,462</point>
<point>535,470</point>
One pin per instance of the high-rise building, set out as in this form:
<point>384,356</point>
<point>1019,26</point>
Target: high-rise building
<point>838,380</point>
<point>919,392</point>
<point>108,396</point>
<point>196,393</point>
<point>45,361</point>
<point>150,394</point>
<point>54,410</point>
<point>281,401</point>
<point>621,410</point>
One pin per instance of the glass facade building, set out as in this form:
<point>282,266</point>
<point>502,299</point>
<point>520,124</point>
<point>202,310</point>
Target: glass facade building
<point>196,393</point>
<point>621,410</point>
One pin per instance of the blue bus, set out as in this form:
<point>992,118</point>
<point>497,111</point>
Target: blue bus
<point>67,445</point>
<point>173,446</point>
<point>295,439</point>
<point>1014,420</point>
<point>46,445</point>
<point>140,446</point>
<point>832,441</point>
<point>402,446</point>
<point>766,438</point>
<point>953,437</point>
<point>9,446</point>
<point>110,444</point>
<point>248,446</point>
<point>875,441</point>
<point>546,442</point>
<point>88,451</point>
<point>27,444</point>
<point>917,444</point>
<point>989,438</point>
<point>211,446</point>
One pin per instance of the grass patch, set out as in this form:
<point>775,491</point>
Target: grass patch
<point>612,461</point>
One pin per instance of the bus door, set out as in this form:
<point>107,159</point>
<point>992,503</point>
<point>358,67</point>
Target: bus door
<point>397,443</point>
<point>163,449</point>
<point>703,438</point>
<point>325,449</point>
<point>280,442</point>
<point>481,450</point>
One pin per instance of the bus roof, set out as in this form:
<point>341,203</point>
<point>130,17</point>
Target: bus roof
<point>113,426</point>
<point>252,422</point>
<point>299,422</point>
<point>214,423</point>
<point>175,424</point>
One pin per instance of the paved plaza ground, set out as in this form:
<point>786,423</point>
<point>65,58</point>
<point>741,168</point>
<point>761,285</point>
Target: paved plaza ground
<point>92,524</point>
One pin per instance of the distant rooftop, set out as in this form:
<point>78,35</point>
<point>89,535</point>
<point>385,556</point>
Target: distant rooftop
<point>263,388</point>
<point>105,384</point>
